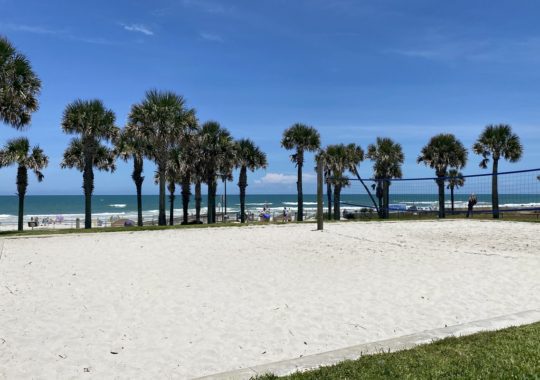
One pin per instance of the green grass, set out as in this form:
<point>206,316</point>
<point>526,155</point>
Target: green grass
<point>512,353</point>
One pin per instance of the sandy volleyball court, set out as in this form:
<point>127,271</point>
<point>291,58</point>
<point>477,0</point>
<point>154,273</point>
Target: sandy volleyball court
<point>187,303</point>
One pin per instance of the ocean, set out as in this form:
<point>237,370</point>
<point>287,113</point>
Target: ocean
<point>70,207</point>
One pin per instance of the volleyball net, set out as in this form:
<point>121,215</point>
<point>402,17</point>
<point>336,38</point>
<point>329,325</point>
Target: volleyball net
<point>518,191</point>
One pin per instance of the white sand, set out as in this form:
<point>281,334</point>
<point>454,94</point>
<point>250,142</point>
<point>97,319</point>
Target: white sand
<point>186,303</point>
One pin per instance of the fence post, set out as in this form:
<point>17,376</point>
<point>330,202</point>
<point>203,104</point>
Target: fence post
<point>320,211</point>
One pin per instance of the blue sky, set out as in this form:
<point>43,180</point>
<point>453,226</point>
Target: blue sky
<point>355,70</point>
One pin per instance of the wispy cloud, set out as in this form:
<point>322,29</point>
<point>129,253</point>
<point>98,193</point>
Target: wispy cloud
<point>29,29</point>
<point>138,28</point>
<point>211,37</point>
<point>451,48</point>
<point>283,179</point>
<point>63,34</point>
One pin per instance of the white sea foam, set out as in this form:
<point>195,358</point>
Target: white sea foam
<point>118,205</point>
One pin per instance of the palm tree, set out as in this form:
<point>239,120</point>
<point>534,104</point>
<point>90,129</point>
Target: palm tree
<point>443,151</point>
<point>339,159</point>
<point>248,157</point>
<point>94,124</point>
<point>217,158</point>
<point>17,151</point>
<point>497,141</point>
<point>303,138</point>
<point>455,180</point>
<point>188,158</point>
<point>130,144</point>
<point>171,177</point>
<point>19,86</point>
<point>162,118</point>
<point>387,157</point>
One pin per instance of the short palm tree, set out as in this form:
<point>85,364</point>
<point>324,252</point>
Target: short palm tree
<point>248,157</point>
<point>387,157</point>
<point>455,180</point>
<point>17,151</point>
<point>217,157</point>
<point>340,159</point>
<point>442,152</point>
<point>130,144</point>
<point>303,139</point>
<point>162,118</point>
<point>173,176</point>
<point>497,141</point>
<point>94,124</point>
<point>19,86</point>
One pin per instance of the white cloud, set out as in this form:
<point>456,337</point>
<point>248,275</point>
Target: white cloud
<point>284,179</point>
<point>211,37</point>
<point>139,28</point>
<point>29,29</point>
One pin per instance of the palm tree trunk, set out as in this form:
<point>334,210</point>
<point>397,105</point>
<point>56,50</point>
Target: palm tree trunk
<point>337,200</point>
<point>242,184</point>
<point>386,198</point>
<point>379,192</point>
<point>355,172</point>
<point>440,183</point>
<point>452,198</point>
<point>300,213</point>
<point>88,185</point>
<point>211,199</point>
<point>162,218</point>
<point>495,189</point>
<point>139,205</point>
<point>22,183</point>
<point>171,188</point>
<point>186,194</point>
<point>198,199</point>
<point>138,179</point>
<point>329,195</point>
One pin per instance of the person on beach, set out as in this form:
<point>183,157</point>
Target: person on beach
<point>285,219</point>
<point>470,205</point>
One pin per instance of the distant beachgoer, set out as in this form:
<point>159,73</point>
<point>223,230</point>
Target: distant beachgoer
<point>285,214</point>
<point>470,204</point>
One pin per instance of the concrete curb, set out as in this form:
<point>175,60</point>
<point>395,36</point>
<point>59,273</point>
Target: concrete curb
<point>286,367</point>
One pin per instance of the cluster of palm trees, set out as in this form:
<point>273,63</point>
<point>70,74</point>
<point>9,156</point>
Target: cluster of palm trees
<point>162,128</point>
<point>444,153</point>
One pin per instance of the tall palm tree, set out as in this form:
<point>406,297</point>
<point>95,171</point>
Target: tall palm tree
<point>217,157</point>
<point>443,151</point>
<point>94,124</point>
<point>387,157</point>
<point>162,118</point>
<point>248,157</point>
<point>17,151</point>
<point>455,180</point>
<point>497,141</point>
<point>130,144</point>
<point>341,158</point>
<point>303,139</point>
<point>19,86</point>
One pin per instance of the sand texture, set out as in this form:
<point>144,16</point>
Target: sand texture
<point>192,302</point>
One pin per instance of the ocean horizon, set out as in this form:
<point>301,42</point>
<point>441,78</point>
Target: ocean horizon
<point>125,206</point>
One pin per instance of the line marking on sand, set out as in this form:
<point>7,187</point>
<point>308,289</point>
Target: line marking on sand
<point>305,363</point>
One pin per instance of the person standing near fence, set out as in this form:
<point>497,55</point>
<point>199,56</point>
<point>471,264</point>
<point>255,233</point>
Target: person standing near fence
<point>470,205</point>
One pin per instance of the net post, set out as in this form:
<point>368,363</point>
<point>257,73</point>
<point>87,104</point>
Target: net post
<point>320,211</point>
